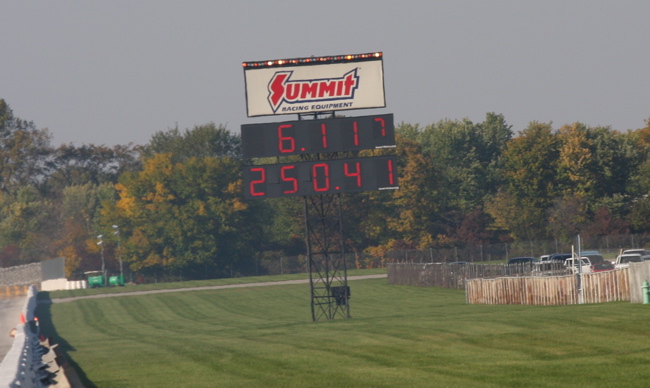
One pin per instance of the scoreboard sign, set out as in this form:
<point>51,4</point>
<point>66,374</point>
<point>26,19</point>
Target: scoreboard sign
<point>317,136</point>
<point>320,177</point>
<point>316,84</point>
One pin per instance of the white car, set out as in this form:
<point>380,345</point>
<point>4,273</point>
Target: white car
<point>624,260</point>
<point>578,266</point>
<point>645,253</point>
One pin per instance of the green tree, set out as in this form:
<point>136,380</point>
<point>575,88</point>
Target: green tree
<point>453,147</point>
<point>567,217</point>
<point>467,155</point>
<point>25,215</point>
<point>509,214</point>
<point>576,167</point>
<point>529,182</point>
<point>595,169</point>
<point>284,230</point>
<point>413,214</point>
<point>617,156</point>
<point>71,165</point>
<point>25,218</point>
<point>76,237</point>
<point>639,183</point>
<point>604,223</point>
<point>23,151</point>
<point>201,141</point>
<point>187,216</point>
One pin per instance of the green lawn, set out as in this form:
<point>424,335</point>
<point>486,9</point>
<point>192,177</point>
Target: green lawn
<point>193,283</point>
<point>398,337</point>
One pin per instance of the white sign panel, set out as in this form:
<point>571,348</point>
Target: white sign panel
<point>275,88</point>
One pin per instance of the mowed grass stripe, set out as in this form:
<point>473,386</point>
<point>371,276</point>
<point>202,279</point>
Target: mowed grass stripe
<point>397,337</point>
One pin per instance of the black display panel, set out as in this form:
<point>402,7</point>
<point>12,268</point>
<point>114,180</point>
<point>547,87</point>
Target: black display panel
<point>320,177</point>
<point>317,136</point>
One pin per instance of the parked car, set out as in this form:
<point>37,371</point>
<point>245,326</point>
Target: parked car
<point>555,258</point>
<point>602,266</point>
<point>578,266</point>
<point>645,253</point>
<point>551,264</point>
<point>521,260</point>
<point>624,260</point>
<point>594,257</point>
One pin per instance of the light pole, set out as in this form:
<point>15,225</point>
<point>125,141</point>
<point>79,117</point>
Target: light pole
<point>116,231</point>
<point>101,247</point>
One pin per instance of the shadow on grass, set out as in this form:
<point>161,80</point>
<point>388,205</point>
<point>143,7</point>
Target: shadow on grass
<point>44,314</point>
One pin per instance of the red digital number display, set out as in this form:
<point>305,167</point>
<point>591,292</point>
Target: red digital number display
<point>317,136</point>
<point>320,177</point>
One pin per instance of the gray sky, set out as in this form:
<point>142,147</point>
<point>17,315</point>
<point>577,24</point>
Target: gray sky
<point>115,72</point>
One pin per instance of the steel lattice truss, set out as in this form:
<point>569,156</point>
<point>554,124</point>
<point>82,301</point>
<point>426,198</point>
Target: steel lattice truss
<point>327,267</point>
<point>328,279</point>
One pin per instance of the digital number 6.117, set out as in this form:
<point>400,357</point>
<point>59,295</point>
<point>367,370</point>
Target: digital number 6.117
<point>317,136</point>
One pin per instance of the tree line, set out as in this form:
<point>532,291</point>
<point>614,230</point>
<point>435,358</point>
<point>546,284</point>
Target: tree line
<point>175,205</point>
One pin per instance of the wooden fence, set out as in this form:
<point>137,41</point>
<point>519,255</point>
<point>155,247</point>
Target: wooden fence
<point>608,286</point>
<point>525,284</point>
<point>449,275</point>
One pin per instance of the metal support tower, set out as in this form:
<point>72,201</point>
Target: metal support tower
<point>328,279</point>
<point>327,266</point>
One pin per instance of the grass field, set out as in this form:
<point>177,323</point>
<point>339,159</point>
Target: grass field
<point>398,337</point>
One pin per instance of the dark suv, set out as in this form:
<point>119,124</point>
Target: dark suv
<point>521,260</point>
<point>559,257</point>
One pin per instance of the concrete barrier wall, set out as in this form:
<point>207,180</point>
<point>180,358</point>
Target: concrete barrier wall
<point>20,366</point>
<point>76,284</point>
<point>639,272</point>
<point>21,275</point>
<point>10,366</point>
<point>48,275</point>
<point>13,291</point>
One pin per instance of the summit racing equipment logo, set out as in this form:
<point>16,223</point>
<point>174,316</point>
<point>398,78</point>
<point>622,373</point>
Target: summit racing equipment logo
<point>284,90</point>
